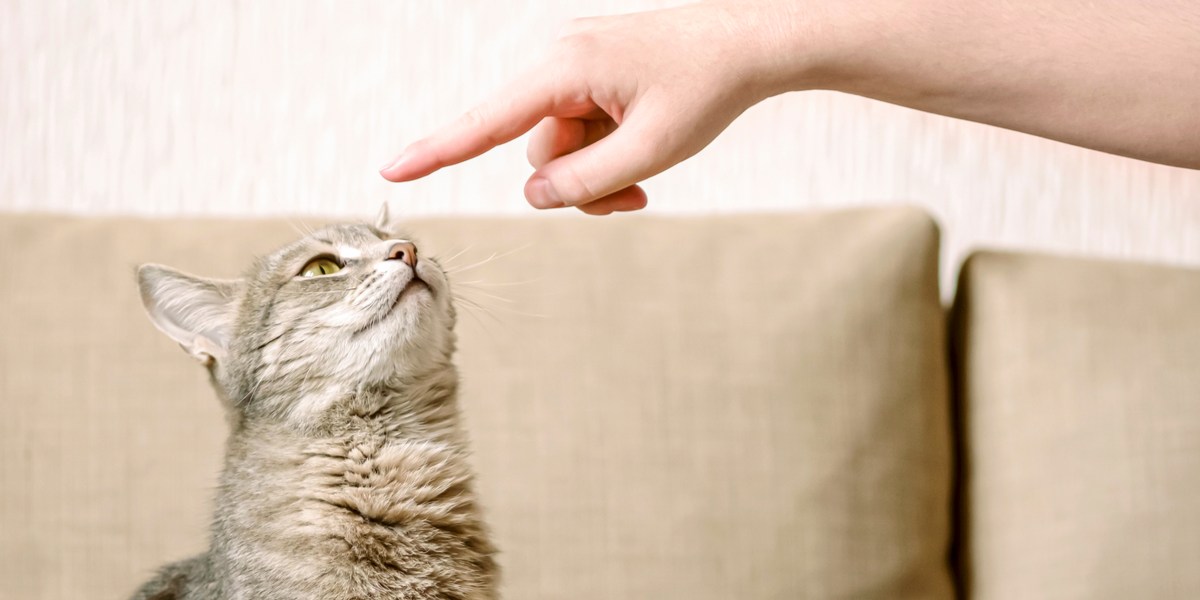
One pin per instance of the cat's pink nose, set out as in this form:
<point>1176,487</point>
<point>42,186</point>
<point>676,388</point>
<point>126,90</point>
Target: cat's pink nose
<point>404,251</point>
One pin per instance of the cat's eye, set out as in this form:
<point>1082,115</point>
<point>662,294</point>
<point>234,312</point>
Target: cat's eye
<point>320,266</point>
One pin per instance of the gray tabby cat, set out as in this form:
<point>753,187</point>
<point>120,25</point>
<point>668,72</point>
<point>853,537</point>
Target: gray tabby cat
<point>345,472</point>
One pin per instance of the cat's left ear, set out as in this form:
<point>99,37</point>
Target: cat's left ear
<point>197,313</point>
<point>383,220</point>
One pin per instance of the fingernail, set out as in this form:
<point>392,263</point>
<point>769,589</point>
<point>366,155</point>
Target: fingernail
<point>395,163</point>
<point>541,194</point>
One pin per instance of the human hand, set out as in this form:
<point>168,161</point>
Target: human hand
<point>617,100</point>
<point>620,99</point>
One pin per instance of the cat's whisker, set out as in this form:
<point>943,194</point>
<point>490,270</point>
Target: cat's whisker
<point>486,283</point>
<point>300,227</point>
<point>522,313</point>
<point>494,256</point>
<point>475,311</point>
<point>319,292</point>
<point>447,261</point>
<point>486,322</point>
<point>492,296</point>
<point>477,314</point>
<point>471,303</point>
<point>505,309</point>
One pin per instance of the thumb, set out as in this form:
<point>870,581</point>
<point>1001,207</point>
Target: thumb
<point>628,155</point>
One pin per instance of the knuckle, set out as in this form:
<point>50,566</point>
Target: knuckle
<point>479,123</point>
<point>537,149</point>
<point>474,118</point>
<point>421,146</point>
<point>577,47</point>
<point>434,148</point>
<point>535,156</point>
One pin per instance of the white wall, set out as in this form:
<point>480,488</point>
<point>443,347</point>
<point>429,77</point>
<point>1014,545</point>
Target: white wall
<point>153,107</point>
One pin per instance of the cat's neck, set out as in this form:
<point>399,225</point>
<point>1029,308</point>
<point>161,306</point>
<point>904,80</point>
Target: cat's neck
<point>413,416</point>
<point>384,472</point>
<point>421,407</point>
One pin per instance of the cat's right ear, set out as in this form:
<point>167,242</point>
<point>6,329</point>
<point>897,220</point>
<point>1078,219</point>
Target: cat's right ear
<point>197,313</point>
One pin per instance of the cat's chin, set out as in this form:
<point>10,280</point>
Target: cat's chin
<point>415,298</point>
<point>415,286</point>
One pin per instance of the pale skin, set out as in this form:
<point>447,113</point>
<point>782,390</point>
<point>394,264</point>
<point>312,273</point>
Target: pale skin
<point>619,99</point>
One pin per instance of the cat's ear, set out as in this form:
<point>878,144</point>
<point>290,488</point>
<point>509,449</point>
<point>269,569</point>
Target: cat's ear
<point>196,312</point>
<point>383,220</point>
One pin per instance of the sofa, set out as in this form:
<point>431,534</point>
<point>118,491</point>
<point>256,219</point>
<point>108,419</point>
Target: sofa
<point>740,406</point>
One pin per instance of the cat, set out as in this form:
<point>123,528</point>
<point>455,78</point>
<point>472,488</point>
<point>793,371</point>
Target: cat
<point>345,471</point>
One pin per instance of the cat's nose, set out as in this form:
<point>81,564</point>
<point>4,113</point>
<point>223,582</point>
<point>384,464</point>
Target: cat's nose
<point>404,251</point>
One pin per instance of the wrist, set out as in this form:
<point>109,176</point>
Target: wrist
<point>792,45</point>
<point>847,46</point>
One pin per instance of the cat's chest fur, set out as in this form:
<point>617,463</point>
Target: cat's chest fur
<point>367,513</point>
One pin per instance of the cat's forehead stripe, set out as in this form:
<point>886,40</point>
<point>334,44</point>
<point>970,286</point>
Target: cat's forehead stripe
<point>347,234</point>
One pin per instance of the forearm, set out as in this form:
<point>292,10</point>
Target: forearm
<point>1113,75</point>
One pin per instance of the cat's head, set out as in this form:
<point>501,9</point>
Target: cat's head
<point>341,309</point>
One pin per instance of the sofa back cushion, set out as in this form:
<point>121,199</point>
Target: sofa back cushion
<point>734,407</point>
<point>1080,404</point>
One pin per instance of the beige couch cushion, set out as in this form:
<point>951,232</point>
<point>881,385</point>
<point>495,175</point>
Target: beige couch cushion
<point>741,407</point>
<point>1080,384</point>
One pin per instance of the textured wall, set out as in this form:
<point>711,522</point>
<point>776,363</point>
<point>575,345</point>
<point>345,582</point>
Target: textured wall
<point>158,108</point>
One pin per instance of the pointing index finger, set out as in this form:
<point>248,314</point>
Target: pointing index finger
<point>501,119</point>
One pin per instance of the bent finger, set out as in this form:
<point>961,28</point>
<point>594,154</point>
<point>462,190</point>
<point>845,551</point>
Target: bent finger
<point>555,137</point>
<point>629,199</point>
<point>552,138</point>
<point>629,155</point>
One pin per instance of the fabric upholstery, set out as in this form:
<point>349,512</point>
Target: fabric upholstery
<point>1079,389</point>
<point>727,407</point>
